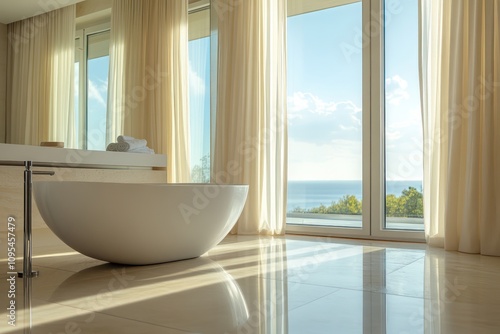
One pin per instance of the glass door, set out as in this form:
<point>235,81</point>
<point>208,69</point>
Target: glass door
<point>355,143</point>
<point>325,116</point>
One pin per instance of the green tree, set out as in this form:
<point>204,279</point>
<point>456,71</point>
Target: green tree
<point>391,205</point>
<point>201,173</point>
<point>413,202</point>
<point>320,209</point>
<point>348,204</point>
<point>298,209</point>
<point>409,204</point>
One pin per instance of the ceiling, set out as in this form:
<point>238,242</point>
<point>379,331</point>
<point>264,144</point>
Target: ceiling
<point>11,11</point>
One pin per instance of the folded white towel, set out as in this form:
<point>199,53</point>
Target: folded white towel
<point>146,150</point>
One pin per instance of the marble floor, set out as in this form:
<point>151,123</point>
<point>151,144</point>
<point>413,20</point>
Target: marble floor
<point>247,284</point>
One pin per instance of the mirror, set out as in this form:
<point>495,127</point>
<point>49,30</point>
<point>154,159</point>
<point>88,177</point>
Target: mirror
<point>91,10</point>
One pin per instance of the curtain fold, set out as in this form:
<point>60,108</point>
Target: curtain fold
<point>148,91</point>
<point>460,77</point>
<point>251,130</point>
<point>41,79</point>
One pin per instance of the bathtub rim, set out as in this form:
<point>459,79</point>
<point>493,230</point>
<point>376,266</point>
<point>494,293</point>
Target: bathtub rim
<point>149,184</point>
<point>121,255</point>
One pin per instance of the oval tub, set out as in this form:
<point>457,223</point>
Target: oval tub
<point>140,224</point>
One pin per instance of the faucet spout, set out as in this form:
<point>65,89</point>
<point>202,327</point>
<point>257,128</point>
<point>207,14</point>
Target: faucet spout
<point>41,172</point>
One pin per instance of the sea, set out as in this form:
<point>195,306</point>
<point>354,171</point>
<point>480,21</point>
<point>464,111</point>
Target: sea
<point>310,194</point>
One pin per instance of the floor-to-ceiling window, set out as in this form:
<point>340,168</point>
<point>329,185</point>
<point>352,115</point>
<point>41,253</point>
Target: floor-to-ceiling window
<point>355,143</point>
<point>199,89</point>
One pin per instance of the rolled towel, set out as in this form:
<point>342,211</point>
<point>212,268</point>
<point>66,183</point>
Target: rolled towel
<point>122,138</point>
<point>118,147</point>
<point>132,142</point>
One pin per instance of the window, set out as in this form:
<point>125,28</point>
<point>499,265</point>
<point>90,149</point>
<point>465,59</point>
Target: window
<point>199,89</point>
<point>355,143</point>
<point>403,123</point>
<point>91,86</point>
<point>325,119</point>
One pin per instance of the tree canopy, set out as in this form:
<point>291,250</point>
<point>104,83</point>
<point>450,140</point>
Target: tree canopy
<point>409,204</point>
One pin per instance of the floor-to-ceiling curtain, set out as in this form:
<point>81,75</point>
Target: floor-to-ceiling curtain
<point>148,91</point>
<point>251,132</point>
<point>40,78</point>
<point>460,77</point>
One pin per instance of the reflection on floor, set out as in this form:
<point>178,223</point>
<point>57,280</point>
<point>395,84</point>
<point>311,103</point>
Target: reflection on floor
<point>248,284</point>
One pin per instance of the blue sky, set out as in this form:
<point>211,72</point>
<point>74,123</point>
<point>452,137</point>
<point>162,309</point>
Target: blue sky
<point>97,91</point>
<point>199,101</point>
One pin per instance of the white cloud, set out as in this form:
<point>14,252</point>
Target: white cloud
<point>348,128</point>
<point>402,83</point>
<point>337,160</point>
<point>392,135</point>
<point>96,92</point>
<point>325,139</point>
<point>396,90</point>
<point>405,124</point>
<point>301,101</point>
<point>196,83</point>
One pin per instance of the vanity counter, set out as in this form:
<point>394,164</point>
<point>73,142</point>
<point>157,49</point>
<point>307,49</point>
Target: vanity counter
<point>12,154</point>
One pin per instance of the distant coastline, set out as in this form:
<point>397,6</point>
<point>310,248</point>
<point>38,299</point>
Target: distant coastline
<point>310,194</point>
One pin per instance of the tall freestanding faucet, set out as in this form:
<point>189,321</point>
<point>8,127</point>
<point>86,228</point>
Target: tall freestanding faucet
<point>28,184</point>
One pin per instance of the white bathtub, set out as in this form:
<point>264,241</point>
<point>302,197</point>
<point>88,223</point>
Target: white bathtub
<point>140,224</point>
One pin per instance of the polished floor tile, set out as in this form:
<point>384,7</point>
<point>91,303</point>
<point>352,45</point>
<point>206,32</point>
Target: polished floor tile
<point>249,284</point>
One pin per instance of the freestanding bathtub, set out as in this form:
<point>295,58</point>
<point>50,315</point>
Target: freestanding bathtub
<point>140,224</point>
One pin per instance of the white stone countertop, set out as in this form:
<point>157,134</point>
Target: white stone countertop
<point>12,154</point>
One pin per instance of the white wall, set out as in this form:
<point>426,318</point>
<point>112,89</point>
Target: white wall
<point>3,79</point>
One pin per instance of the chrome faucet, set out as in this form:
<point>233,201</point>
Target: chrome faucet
<point>28,184</point>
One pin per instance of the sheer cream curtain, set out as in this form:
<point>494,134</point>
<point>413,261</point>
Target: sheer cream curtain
<point>460,67</point>
<point>40,78</point>
<point>148,91</point>
<point>251,132</point>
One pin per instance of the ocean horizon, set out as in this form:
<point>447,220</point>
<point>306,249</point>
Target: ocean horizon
<point>310,194</point>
